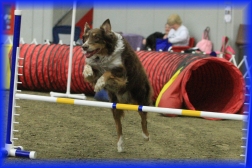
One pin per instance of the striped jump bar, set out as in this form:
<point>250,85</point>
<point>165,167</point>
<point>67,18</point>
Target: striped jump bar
<point>120,106</point>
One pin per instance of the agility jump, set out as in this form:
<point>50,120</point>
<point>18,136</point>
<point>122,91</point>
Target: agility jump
<point>12,150</point>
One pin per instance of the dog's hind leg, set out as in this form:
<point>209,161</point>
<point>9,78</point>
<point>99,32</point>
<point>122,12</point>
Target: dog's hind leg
<point>117,114</point>
<point>145,132</point>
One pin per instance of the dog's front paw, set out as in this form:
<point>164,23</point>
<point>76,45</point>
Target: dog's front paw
<point>99,84</point>
<point>87,71</point>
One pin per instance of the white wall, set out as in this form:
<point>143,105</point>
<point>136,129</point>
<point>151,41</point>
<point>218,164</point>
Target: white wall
<point>37,22</point>
<point>146,20</point>
<point>60,11</point>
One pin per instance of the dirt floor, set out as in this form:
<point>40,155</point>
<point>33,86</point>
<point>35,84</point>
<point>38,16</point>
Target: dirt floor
<point>61,131</point>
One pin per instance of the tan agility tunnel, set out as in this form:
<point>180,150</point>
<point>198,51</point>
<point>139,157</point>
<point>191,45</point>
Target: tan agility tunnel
<point>202,83</point>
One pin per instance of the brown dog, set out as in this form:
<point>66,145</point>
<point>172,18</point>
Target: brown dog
<point>113,65</point>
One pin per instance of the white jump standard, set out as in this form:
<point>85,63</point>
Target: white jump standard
<point>68,94</point>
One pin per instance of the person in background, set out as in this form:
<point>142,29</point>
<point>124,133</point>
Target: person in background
<point>167,30</point>
<point>150,42</point>
<point>179,34</point>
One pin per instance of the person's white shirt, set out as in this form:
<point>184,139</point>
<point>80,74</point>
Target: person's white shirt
<point>179,37</point>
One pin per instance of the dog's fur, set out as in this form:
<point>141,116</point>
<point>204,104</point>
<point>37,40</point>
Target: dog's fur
<point>113,65</point>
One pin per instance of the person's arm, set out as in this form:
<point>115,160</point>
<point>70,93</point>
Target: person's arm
<point>165,36</point>
<point>181,37</point>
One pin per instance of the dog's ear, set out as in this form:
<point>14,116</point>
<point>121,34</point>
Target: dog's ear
<point>106,26</point>
<point>86,28</point>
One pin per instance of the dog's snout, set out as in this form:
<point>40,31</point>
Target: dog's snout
<point>85,47</point>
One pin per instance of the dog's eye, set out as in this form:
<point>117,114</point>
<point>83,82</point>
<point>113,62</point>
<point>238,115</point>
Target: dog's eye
<point>96,39</point>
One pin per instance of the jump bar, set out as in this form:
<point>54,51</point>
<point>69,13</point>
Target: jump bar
<point>120,106</point>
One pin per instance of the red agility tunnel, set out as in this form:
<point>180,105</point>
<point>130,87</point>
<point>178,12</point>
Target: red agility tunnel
<point>192,81</point>
<point>45,68</point>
